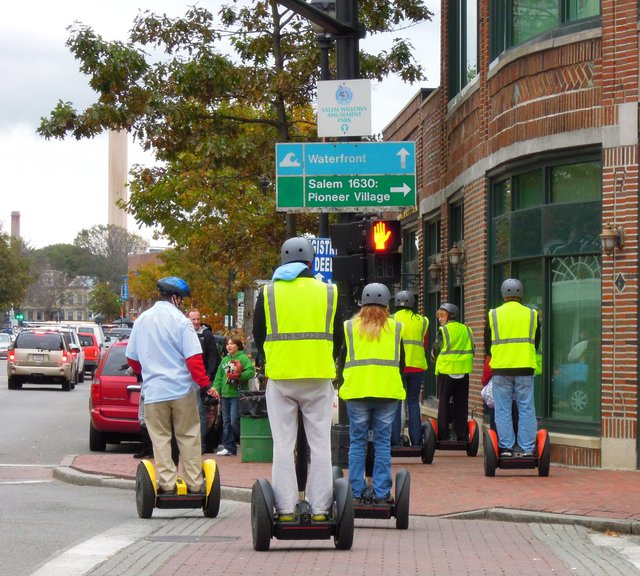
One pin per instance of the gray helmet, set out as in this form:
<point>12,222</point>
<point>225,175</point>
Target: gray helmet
<point>452,309</point>
<point>296,250</point>
<point>375,293</point>
<point>405,299</point>
<point>512,287</point>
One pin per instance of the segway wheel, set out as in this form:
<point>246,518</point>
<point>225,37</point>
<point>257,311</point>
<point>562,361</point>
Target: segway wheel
<point>145,491</point>
<point>428,445</point>
<point>261,523</point>
<point>343,509</point>
<point>403,488</point>
<point>211,505</point>
<point>544,458</point>
<point>474,438</point>
<point>490,456</point>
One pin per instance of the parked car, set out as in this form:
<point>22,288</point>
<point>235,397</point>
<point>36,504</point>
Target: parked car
<point>42,357</point>
<point>96,330</point>
<point>117,334</point>
<point>114,400</point>
<point>92,352</point>
<point>5,342</point>
<point>70,334</point>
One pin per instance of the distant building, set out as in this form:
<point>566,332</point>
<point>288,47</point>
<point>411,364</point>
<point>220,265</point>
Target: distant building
<point>55,298</point>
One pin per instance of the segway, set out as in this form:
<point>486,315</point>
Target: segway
<point>431,442</point>
<point>266,525</point>
<point>541,458</point>
<point>148,497</point>
<point>405,450</point>
<point>368,507</point>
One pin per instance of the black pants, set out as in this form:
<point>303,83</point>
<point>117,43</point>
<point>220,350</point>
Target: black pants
<point>458,389</point>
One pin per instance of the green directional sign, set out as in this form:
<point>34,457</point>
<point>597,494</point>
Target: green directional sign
<point>345,176</point>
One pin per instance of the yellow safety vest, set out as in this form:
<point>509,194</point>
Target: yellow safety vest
<point>299,316</point>
<point>415,331</point>
<point>456,354</point>
<point>513,331</point>
<point>372,367</point>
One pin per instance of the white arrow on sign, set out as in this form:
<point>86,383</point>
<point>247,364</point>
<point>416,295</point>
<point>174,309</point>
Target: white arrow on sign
<point>319,276</point>
<point>405,188</point>
<point>403,153</point>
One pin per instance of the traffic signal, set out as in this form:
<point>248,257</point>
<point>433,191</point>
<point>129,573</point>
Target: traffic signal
<point>369,251</point>
<point>19,318</point>
<point>384,262</point>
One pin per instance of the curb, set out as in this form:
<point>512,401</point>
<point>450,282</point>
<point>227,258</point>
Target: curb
<point>65,473</point>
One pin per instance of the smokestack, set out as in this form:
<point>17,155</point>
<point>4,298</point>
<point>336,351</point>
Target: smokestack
<point>118,171</point>
<point>15,224</point>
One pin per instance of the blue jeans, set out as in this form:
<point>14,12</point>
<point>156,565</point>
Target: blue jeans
<point>377,415</point>
<point>413,385</point>
<point>230,424</point>
<point>506,389</point>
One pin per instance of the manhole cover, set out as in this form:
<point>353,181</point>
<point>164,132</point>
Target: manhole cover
<point>190,538</point>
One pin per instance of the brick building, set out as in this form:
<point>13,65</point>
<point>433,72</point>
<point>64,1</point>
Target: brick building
<point>526,153</point>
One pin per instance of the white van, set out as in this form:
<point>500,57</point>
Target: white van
<point>96,330</point>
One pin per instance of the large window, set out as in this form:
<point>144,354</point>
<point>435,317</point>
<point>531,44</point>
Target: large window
<point>545,225</point>
<point>516,21</point>
<point>463,44</point>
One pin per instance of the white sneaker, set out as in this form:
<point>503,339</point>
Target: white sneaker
<point>224,452</point>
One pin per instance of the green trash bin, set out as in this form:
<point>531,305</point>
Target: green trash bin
<point>256,444</point>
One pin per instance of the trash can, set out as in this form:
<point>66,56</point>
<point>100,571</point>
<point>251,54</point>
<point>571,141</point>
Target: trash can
<point>256,443</point>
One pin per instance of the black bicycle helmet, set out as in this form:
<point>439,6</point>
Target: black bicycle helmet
<point>173,285</point>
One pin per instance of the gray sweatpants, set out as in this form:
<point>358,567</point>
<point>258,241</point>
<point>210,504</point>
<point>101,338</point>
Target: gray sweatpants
<point>314,398</point>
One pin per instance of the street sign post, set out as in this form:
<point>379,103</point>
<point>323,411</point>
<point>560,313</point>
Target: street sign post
<point>345,176</point>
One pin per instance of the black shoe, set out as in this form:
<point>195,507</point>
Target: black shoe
<point>506,453</point>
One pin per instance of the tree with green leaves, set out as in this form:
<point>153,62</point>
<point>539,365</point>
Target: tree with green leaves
<point>212,118</point>
<point>66,258</point>
<point>15,272</point>
<point>104,300</point>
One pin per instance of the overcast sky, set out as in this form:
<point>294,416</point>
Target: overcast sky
<point>60,187</point>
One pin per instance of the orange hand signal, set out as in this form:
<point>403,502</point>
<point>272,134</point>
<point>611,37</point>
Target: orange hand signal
<point>381,235</point>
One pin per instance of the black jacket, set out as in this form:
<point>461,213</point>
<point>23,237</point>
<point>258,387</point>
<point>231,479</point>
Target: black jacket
<point>210,353</point>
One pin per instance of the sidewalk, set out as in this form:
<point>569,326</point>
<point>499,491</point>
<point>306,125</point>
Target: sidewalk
<point>454,485</point>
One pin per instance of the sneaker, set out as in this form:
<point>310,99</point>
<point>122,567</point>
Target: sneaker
<point>224,452</point>
<point>528,454</point>
<point>172,492</point>
<point>285,518</point>
<point>506,453</point>
<point>318,517</point>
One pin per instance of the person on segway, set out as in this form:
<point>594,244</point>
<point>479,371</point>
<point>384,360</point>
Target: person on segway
<point>164,348</point>
<point>297,329</point>
<point>511,338</point>
<point>415,347</point>
<point>452,352</point>
<point>372,389</point>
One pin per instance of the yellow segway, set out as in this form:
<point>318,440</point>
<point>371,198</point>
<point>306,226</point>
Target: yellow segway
<point>148,497</point>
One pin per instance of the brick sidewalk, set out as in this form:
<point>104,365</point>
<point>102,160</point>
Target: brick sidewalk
<point>455,483</point>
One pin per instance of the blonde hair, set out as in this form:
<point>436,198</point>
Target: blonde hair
<point>372,320</point>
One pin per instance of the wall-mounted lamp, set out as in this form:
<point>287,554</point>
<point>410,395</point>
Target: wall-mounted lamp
<point>456,255</point>
<point>612,237</point>
<point>434,271</point>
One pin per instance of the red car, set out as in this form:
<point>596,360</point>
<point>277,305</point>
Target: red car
<point>91,352</point>
<point>114,399</point>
